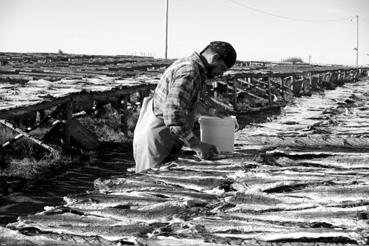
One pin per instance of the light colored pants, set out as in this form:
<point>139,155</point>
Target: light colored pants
<point>152,142</point>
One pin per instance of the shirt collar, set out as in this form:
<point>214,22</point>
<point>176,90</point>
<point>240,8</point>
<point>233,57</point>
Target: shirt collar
<point>201,61</point>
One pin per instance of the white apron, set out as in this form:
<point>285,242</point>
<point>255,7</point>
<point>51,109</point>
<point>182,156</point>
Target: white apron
<point>153,144</point>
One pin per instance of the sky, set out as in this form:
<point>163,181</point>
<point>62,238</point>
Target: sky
<point>268,30</point>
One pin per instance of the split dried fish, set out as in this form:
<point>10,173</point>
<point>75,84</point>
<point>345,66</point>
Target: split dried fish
<point>185,195</point>
<point>193,183</point>
<point>99,200</point>
<point>126,184</point>
<point>133,216</point>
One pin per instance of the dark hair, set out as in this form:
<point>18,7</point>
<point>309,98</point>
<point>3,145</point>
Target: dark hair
<point>224,50</point>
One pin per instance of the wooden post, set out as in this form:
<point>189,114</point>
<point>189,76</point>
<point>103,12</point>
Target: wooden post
<point>20,124</point>
<point>234,96</point>
<point>292,83</point>
<point>124,114</point>
<point>282,89</point>
<point>319,80</point>
<point>38,117</point>
<point>215,86</point>
<point>68,121</point>
<point>141,96</point>
<point>343,76</point>
<point>269,92</point>
<point>166,29</point>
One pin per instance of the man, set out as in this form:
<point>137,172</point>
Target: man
<point>166,120</point>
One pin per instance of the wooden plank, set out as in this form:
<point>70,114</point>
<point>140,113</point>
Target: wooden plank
<point>26,135</point>
<point>269,93</point>
<point>253,86</point>
<point>235,95</point>
<point>83,136</point>
<point>124,114</point>
<point>256,80</point>
<point>217,104</point>
<point>258,74</point>
<point>19,111</point>
<point>252,95</point>
<point>12,113</point>
<point>283,89</point>
<point>68,124</point>
<point>215,86</point>
<point>245,82</point>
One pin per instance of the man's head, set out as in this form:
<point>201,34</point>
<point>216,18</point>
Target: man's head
<point>220,56</point>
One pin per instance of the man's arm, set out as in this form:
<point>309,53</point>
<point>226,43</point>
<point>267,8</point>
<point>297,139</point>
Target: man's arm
<point>177,108</point>
<point>215,108</point>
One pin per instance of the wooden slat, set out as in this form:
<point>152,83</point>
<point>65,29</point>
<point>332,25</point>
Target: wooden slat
<point>76,97</point>
<point>68,111</point>
<point>26,135</point>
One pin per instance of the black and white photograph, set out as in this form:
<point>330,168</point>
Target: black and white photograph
<point>184,122</point>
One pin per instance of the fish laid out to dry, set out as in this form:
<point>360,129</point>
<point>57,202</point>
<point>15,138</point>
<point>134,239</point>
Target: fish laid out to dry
<point>299,179</point>
<point>32,238</point>
<point>347,161</point>
<point>100,200</point>
<point>108,232</point>
<point>127,185</point>
<point>133,216</point>
<point>335,194</point>
<point>224,165</point>
<point>302,235</point>
<point>261,202</point>
<point>174,172</point>
<point>66,219</point>
<point>192,183</point>
<point>171,240</point>
<point>185,195</point>
<point>336,218</point>
<point>81,223</point>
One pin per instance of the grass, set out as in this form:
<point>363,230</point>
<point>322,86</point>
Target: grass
<point>24,159</point>
<point>30,168</point>
<point>108,127</point>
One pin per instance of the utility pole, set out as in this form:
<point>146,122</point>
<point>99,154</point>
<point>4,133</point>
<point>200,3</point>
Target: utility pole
<point>166,28</point>
<point>357,41</point>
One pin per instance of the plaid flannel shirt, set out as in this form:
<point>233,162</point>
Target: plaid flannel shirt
<point>176,94</point>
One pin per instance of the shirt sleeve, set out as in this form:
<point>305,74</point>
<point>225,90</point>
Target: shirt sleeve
<point>178,106</point>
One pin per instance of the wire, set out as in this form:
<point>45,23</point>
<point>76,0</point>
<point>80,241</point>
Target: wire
<point>286,17</point>
<point>363,19</point>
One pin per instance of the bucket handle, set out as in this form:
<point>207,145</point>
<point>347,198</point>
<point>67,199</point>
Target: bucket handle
<point>236,125</point>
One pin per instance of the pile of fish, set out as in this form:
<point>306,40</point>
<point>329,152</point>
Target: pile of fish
<point>300,179</point>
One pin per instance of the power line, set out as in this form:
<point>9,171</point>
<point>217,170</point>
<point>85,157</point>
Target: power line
<point>365,20</point>
<point>286,17</point>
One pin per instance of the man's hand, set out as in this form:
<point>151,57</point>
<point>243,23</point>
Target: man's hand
<point>204,110</point>
<point>219,113</point>
<point>205,151</point>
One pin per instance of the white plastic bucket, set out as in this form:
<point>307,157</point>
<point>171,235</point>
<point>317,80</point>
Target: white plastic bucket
<point>219,132</point>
